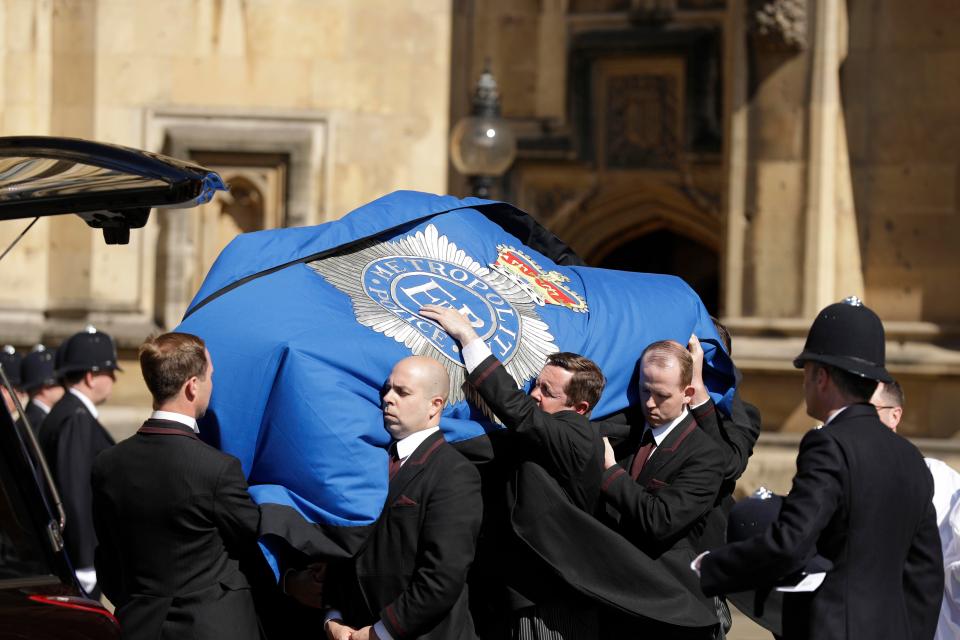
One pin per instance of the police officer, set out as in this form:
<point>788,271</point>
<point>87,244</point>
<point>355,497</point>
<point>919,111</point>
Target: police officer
<point>41,385</point>
<point>10,360</point>
<point>861,498</point>
<point>71,437</point>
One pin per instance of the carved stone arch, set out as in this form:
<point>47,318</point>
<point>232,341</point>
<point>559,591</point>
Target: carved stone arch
<point>655,227</point>
<point>621,214</point>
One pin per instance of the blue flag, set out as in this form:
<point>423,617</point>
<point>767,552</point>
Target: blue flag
<point>305,324</point>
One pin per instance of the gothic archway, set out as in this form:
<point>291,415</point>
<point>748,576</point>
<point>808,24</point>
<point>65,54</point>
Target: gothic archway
<point>665,251</point>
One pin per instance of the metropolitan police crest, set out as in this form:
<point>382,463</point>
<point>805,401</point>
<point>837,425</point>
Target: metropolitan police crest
<point>388,282</point>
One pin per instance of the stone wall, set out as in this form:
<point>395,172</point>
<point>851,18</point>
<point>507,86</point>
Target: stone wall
<point>902,99</point>
<point>355,94</point>
<point>375,74</point>
<point>836,172</point>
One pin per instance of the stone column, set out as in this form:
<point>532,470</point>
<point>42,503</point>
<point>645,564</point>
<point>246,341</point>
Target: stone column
<point>72,84</point>
<point>735,159</point>
<point>820,246</point>
<point>774,180</point>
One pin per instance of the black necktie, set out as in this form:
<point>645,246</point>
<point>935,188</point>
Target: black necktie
<point>647,445</point>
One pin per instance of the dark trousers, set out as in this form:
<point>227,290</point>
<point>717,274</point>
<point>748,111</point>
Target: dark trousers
<point>614,624</point>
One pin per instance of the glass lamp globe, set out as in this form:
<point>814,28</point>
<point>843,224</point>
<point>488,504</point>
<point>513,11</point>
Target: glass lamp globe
<point>482,145</point>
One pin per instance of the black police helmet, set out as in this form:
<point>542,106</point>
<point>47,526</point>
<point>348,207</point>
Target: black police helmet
<point>753,515</point>
<point>10,360</point>
<point>37,369</point>
<point>89,350</point>
<point>848,336</point>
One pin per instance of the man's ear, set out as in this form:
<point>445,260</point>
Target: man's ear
<point>88,377</point>
<point>190,388</point>
<point>436,405</point>
<point>688,392</point>
<point>821,377</point>
<point>897,414</point>
<point>582,407</point>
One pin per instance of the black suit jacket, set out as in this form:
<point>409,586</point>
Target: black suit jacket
<point>542,535</point>
<point>735,435</point>
<point>862,499</point>
<point>174,519</point>
<point>663,512</point>
<point>412,572</point>
<point>568,448</point>
<point>35,415</point>
<point>71,438</point>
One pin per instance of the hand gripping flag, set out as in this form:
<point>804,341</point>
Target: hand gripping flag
<point>305,324</point>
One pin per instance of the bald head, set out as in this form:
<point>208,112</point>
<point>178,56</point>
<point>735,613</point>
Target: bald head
<point>414,395</point>
<point>432,375</point>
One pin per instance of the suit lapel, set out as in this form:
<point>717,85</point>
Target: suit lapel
<point>414,465</point>
<point>667,450</point>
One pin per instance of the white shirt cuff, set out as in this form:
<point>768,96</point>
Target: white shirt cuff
<point>333,614</point>
<point>381,630</point>
<point>87,577</point>
<point>695,565</point>
<point>475,352</point>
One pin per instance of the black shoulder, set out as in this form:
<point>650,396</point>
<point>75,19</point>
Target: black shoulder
<point>454,461</point>
<point>700,439</point>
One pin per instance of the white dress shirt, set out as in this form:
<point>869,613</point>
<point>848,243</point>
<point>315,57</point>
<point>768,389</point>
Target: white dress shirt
<point>40,405</point>
<point>475,352</point>
<point>183,419</point>
<point>408,445</point>
<point>87,402</point>
<point>660,433</point>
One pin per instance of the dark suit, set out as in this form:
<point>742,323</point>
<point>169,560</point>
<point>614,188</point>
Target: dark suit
<point>521,549</point>
<point>174,519</point>
<point>735,435</point>
<point>862,499</point>
<point>541,536</point>
<point>664,512</point>
<point>412,572</point>
<point>71,438</point>
<point>35,415</point>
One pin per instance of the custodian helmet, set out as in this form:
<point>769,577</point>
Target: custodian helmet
<point>89,350</point>
<point>848,336</point>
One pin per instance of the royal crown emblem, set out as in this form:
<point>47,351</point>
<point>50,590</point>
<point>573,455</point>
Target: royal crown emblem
<point>544,287</point>
<point>388,282</point>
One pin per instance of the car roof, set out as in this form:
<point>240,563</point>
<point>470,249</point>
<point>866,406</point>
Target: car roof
<point>110,186</point>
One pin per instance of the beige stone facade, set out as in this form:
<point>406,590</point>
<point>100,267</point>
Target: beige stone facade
<point>805,150</point>
<point>328,79</point>
<point>779,154</point>
<point>309,107</point>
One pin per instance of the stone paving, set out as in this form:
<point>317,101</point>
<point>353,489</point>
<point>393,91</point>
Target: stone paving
<point>746,629</point>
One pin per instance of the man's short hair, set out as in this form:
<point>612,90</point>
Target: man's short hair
<point>587,382</point>
<point>724,335</point>
<point>892,394</point>
<point>857,387</point>
<point>72,378</point>
<point>168,360</point>
<point>660,353</point>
